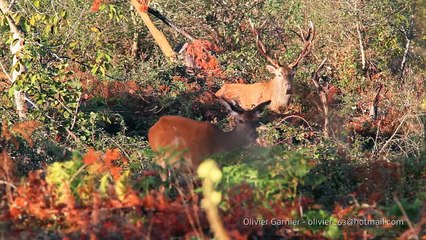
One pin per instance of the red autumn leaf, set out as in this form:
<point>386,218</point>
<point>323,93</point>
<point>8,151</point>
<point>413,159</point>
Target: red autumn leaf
<point>161,202</point>
<point>115,172</point>
<point>91,157</point>
<point>132,199</point>
<point>115,203</point>
<point>95,5</point>
<point>37,211</point>
<point>15,212</point>
<point>20,202</point>
<point>143,5</point>
<point>143,8</point>
<point>111,155</point>
<point>149,202</point>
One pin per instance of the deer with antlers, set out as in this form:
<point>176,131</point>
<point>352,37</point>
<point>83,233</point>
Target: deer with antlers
<point>279,89</point>
<point>193,141</point>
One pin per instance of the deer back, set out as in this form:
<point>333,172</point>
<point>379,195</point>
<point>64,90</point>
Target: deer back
<point>192,141</point>
<point>247,95</point>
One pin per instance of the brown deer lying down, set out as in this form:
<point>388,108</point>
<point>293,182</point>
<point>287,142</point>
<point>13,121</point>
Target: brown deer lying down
<point>179,137</point>
<point>279,89</point>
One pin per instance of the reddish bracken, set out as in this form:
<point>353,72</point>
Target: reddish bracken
<point>201,52</point>
<point>95,5</point>
<point>376,179</point>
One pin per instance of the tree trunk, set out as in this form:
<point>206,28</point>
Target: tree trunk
<point>408,34</point>
<point>361,46</point>
<point>135,44</point>
<point>159,37</point>
<point>15,47</point>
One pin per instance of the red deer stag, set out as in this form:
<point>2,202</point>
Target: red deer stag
<point>279,89</point>
<point>192,141</point>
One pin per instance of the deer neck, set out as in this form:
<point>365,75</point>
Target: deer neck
<point>281,92</point>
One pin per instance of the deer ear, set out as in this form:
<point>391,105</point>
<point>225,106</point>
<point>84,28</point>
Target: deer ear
<point>230,107</point>
<point>259,108</point>
<point>271,68</point>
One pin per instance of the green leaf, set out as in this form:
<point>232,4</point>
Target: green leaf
<point>103,70</point>
<point>94,69</point>
<point>47,29</point>
<point>73,44</point>
<point>11,92</point>
<point>108,57</point>
<point>63,14</point>
<point>121,185</point>
<point>36,3</point>
<point>333,231</point>
<point>104,184</point>
<point>32,21</point>
<point>55,20</point>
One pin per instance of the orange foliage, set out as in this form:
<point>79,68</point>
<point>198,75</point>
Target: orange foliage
<point>156,217</point>
<point>332,92</point>
<point>109,158</point>
<point>357,231</point>
<point>33,198</point>
<point>100,217</point>
<point>95,5</point>
<point>201,52</point>
<point>5,133</point>
<point>4,82</point>
<point>7,166</point>
<point>26,129</point>
<point>109,162</point>
<point>365,126</point>
<point>143,8</point>
<point>91,157</point>
<point>110,89</point>
<point>94,87</point>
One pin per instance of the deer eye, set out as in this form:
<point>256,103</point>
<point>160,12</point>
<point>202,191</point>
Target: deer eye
<point>240,121</point>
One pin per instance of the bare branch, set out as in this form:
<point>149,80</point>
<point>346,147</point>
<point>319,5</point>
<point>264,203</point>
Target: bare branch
<point>315,74</point>
<point>374,107</point>
<point>171,24</point>
<point>404,213</point>
<point>323,97</point>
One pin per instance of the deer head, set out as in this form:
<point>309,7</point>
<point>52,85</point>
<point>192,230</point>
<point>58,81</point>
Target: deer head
<point>284,73</point>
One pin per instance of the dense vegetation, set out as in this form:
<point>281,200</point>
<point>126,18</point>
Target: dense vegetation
<point>76,163</point>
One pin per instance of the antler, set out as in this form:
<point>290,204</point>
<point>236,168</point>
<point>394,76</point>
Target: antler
<point>307,44</point>
<point>261,47</point>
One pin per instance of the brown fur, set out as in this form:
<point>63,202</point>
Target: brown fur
<point>278,90</point>
<point>253,93</point>
<point>194,141</point>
